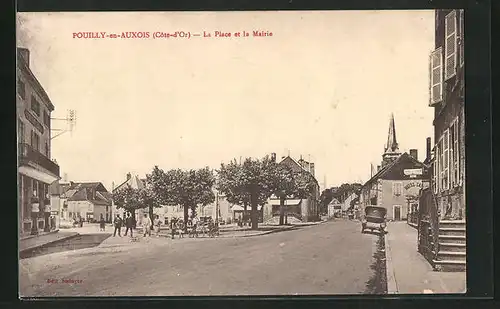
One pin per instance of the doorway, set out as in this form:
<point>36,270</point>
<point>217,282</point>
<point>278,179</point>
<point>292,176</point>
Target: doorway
<point>397,213</point>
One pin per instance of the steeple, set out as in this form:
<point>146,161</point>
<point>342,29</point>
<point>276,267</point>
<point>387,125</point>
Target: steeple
<point>391,150</point>
<point>392,144</point>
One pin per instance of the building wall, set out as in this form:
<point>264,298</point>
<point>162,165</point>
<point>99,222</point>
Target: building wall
<point>391,198</point>
<point>445,113</point>
<point>29,90</point>
<point>81,208</point>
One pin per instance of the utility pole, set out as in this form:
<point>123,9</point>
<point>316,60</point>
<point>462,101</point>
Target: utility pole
<point>70,121</point>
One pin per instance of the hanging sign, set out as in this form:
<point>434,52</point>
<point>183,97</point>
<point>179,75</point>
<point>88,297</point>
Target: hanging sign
<point>413,172</point>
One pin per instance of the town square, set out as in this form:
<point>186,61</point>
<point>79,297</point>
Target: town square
<point>320,159</point>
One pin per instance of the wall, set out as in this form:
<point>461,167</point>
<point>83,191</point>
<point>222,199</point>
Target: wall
<point>444,114</point>
<point>79,207</point>
<point>388,199</point>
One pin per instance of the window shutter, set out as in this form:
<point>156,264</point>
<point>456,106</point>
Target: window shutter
<point>457,153</point>
<point>462,36</point>
<point>436,77</point>
<point>450,45</point>
<point>447,158</point>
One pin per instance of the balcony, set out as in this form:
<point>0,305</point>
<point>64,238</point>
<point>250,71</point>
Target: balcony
<point>27,154</point>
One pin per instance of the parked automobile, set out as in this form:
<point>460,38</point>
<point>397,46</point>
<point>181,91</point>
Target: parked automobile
<point>374,219</point>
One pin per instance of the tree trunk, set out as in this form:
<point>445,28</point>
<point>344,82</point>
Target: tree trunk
<point>255,218</point>
<point>245,214</point>
<point>186,217</point>
<point>151,215</point>
<point>282,210</point>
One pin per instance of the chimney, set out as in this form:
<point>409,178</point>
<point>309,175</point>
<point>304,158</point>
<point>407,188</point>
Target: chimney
<point>414,153</point>
<point>25,53</point>
<point>129,176</point>
<point>428,149</point>
<point>311,166</point>
<point>71,183</point>
<point>273,157</point>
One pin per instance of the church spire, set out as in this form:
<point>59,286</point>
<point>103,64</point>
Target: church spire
<point>392,144</point>
<point>391,151</point>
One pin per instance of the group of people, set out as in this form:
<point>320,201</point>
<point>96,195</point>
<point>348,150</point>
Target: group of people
<point>177,226</point>
<point>130,223</point>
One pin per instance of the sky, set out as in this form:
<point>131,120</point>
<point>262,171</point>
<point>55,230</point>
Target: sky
<point>323,87</point>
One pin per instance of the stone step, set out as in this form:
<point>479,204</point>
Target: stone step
<point>452,223</point>
<point>452,246</point>
<point>458,239</point>
<point>451,256</point>
<point>458,231</point>
<point>450,265</point>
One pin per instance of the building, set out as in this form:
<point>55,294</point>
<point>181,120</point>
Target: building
<point>36,169</point>
<point>86,200</point>
<point>443,206</point>
<point>334,208</point>
<point>447,98</point>
<point>398,180</point>
<point>133,182</point>
<point>305,209</point>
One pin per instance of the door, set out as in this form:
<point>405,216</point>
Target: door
<point>397,213</point>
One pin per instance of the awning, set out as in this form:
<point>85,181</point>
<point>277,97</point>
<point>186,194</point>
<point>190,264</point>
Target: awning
<point>287,202</point>
<point>38,175</point>
<point>241,208</point>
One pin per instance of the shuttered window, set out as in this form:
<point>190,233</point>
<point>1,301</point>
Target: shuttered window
<point>462,36</point>
<point>455,153</point>
<point>436,76</point>
<point>450,56</point>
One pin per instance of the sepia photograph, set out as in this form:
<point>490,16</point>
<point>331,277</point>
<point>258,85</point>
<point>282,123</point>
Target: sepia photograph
<point>241,153</point>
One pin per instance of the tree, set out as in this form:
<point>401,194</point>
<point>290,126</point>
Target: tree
<point>129,199</point>
<point>325,198</point>
<point>250,183</point>
<point>291,184</point>
<point>191,189</point>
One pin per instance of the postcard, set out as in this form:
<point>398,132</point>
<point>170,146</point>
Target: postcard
<point>241,153</point>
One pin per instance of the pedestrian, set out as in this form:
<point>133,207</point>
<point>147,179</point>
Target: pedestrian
<point>102,224</point>
<point>181,226</point>
<point>146,225</point>
<point>118,225</point>
<point>195,226</point>
<point>129,225</point>
<point>173,227</point>
<point>156,225</point>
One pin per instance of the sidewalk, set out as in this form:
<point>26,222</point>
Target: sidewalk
<point>43,240</point>
<point>408,272</point>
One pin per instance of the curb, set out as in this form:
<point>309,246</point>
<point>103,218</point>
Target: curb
<point>26,250</point>
<point>392,285</point>
<point>33,236</point>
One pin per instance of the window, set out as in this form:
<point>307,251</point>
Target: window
<point>450,44</point>
<point>35,105</point>
<point>46,119</point>
<point>34,185</point>
<point>434,175</point>
<point>35,140</point>
<point>454,153</point>
<point>439,161</point>
<point>21,89</point>
<point>446,160</point>
<point>396,188</point>
<point>462,35</point>
<point>20,131</point>
<point>436,76</point>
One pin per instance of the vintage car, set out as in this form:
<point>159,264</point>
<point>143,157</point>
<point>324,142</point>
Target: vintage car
<point>374,219</point>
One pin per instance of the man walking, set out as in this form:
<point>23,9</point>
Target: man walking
<point>146,225</point>
<point>118,225</point>
<point>129,224</point>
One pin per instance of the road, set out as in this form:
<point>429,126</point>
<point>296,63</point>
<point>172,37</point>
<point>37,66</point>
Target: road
<point>329,258</point>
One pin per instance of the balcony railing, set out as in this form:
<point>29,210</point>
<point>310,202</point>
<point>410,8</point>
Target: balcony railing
<point>28,154</point>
